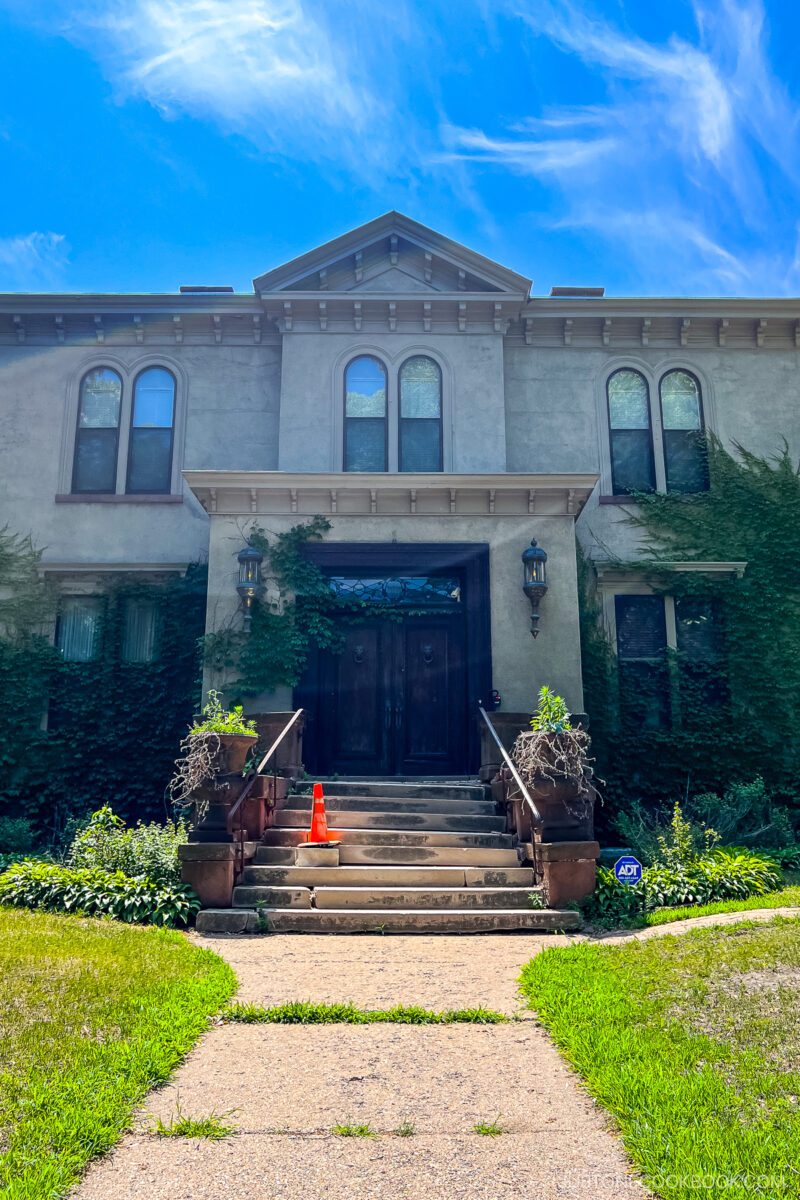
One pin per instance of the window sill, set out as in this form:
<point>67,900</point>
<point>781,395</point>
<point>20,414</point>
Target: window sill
<point>616,500</point>
<point>111,498</point>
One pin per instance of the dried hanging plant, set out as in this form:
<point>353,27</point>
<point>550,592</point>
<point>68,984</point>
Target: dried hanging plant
<point>195,768</point>
<point>554,749</point>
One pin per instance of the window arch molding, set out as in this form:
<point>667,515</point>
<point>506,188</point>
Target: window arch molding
<point>393,360</point>
<point>128,371</point>
<point>653,373</point>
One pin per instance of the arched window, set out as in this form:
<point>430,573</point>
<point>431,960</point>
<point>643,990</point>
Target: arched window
<point>365,427</point>
<point>632,468</point>
<point>152,420</point>
<point>94,467</point>
<point>685,461</point>
<point>420,442</point>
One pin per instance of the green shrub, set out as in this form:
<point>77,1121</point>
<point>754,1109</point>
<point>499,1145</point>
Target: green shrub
<point>16,835</point>
<point>94,892</point>
<point>720,874</point>
<point>744,814</point>
<point>148,850</point>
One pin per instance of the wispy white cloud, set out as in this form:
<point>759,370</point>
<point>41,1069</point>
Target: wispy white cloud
<point>671,166</point>
<point>268,70</point>
<point>33,261</point>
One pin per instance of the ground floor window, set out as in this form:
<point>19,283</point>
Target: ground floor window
<point>78,627</point>
<point>670,655</point>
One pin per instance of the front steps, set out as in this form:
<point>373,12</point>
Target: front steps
<point>415,857</point>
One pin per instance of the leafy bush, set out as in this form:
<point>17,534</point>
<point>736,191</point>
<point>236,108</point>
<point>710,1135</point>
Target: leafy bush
<point>787,857</point>
<point>16,835</point>
<point>96,893</point>
<point>745,814</point>
<point>220,720</point>
<point>148,850</point>
<point>720,874</point>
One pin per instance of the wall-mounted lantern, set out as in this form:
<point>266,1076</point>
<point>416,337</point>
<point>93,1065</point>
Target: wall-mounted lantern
<point>535,581</point>
<point>250,561</point>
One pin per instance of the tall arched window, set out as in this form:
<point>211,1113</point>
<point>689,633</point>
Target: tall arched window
<point>420,441</point>
<point>97,438</point>
<point>365,426</point>
<point>152,421</point>
<point>685,460</point>
<point>632,468</point>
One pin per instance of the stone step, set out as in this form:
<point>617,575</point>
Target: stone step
<point>395,920</point>
<point>405,789</point>
<point>402,854</point>
<point>275,836</point>
<point>378,876</point>
<point>382,897</point>
<point>391,804</point>
<point>421,897</point>
<point>288,818</point>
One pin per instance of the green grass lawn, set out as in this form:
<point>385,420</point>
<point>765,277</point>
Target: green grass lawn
<point>693,1043</point>
<point>785,897</point>
<point>92,1015</point>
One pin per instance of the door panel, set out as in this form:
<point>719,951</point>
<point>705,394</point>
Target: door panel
<point>394,701</point>
<point>431,681</point>
<point>354,697</point>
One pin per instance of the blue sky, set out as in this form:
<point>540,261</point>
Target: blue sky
<point>653,149</point>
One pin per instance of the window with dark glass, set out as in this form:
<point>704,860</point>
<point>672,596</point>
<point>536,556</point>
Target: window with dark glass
<point>641,652</point>
<point>152,419</point>
<point>138,630</point>
<point>699,644</point>
<point>78,627</point>
<point>632,468</point>
<point>685,460</point>
<point>420,415</point>
<point>97,437</point>
<point>365,441</point>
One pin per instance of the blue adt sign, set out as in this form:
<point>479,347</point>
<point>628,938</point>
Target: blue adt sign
<point>628,869</point>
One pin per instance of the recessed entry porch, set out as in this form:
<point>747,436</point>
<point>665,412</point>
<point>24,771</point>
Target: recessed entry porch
<point>401,697</point>
<point>443,551</point>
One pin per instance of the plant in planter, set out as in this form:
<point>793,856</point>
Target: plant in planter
<point>553,761</point>
<point>214,753</point>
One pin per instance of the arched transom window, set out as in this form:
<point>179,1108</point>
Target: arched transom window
<point>420,434</point>
<point>631,437</point>
<point>685,460</point>
<point>94,466</point>
<point>365,425</point>
<point>152,421</point>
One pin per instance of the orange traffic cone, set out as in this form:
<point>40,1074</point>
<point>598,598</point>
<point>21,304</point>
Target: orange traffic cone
<point>319,823</point>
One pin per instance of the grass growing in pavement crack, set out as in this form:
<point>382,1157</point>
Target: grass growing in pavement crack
<point>349,1130</point>
<point>303,1012</point>
<point>213,1127</point>
<point>490,1128</point>
<point>405,1129</point>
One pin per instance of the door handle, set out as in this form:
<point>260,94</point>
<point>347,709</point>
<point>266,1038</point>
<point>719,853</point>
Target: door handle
<point>387,714</point>
<point>398,713</point>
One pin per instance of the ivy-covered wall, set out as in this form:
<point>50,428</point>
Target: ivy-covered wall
<point>736,715</point>
<point>112,728</point>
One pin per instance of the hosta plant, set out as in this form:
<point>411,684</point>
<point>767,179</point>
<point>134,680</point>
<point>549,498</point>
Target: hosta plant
<point>94,892</point>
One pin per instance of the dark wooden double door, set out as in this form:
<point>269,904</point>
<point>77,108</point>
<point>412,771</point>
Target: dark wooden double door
<point>394,701</point>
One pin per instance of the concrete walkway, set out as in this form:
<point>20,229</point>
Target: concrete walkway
<point>290,1084</point>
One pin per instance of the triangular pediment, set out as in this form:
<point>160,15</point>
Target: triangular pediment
<point>394,255</point>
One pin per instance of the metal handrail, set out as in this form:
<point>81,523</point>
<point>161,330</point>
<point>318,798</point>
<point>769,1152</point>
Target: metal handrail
<point>246,790</point>
<point>514,772</point>
<point>249,786</point>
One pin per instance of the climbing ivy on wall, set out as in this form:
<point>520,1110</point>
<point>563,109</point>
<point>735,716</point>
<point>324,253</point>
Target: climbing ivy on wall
<point>737,716</point>
<point>113,728</point>
<point>298,611</point>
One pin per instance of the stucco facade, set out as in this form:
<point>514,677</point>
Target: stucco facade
<point>258,421</point>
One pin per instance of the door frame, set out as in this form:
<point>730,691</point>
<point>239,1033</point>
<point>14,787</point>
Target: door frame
<point>471,560</point>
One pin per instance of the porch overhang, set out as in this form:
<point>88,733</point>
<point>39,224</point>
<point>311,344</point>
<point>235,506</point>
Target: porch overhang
<point>283,493</point>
